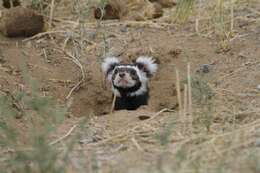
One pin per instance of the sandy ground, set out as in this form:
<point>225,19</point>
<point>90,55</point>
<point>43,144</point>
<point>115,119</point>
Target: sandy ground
<point>121,141</point>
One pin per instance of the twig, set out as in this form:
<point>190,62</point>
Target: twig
<point>51,13</point>
<point>121,135</point>
<point>136,144</point>
<point>113,104</point>
<point>231,16</point>
<point>42,34</point>
<point>185,105</point>
<point>77,62</point>
<point>178,88</point>
<point>65,136</point>
<point>157,114</point>
<point>197,21</point>
<point>11,3</point>
<point>60,81</point>
<point>189,90</point>
<point>152,24</point>
<point>185,100</point>
<point>45,56</point>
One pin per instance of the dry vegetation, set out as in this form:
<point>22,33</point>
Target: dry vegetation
<point>54,103</point>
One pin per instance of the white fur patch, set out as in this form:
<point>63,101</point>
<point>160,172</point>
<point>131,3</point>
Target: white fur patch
<point>141,90</point>
<point>108,62</point>
<point>148,62</point>
<point>142,77</point>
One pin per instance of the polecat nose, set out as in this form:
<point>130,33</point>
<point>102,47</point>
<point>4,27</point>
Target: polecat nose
<point>121,75</point>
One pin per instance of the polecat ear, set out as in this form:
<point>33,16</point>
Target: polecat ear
<point>147,65</point>
<point>109,64</point>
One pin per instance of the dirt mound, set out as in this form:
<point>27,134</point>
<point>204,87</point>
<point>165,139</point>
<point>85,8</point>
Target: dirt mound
<point>56,74</point>
<point>19,21</point>
<point>129,10</point>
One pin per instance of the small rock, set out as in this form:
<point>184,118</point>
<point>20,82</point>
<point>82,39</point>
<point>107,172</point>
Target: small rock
<point>123,28</point>
<point>109,12</point>
<point>205,68</point>
<point>143,117</point>
<point>258,87</point>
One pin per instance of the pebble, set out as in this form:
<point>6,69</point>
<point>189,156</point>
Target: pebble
<point>123,28</point>
<point>258,87</point>
<point>144,117</point>
<point>204,68</point>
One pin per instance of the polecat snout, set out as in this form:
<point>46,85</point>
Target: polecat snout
<point>129,81</point>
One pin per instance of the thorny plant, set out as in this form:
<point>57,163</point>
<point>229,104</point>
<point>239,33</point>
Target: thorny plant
<point>202,95</point>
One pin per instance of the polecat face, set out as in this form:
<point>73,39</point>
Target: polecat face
<point>125,76</point>
<point>129,79</point>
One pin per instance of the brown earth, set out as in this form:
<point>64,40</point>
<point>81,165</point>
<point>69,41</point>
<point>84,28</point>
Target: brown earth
<point>138,10</point>
<point>121,141</point>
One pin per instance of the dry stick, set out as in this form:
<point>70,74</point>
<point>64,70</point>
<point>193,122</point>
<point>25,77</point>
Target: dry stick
<point>11,3</point>
<point>178,88</point>
<point>136,144</point>
<point>113,104</point>
<point>65,136</point>
<point>42,34</point>
<point>198,18</point>
<point>132,23</point>
<point>185,105</point>
<point>51,13</point>
<point>232,16</point>
<point>185,102</point>
<point>189,93</point>
<point>77,62</point>
<point>157,114</point>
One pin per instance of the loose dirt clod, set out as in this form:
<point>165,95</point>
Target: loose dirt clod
<point>130,9</point>
<point>143,117</point>
<point>11,3</point>
<point>19,21</point>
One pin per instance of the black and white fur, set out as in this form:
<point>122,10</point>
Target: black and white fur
<point>129,81</point>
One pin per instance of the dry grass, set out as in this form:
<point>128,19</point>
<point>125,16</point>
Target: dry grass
<point>202,137</point>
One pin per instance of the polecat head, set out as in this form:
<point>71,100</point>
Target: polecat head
<point>129,79</point>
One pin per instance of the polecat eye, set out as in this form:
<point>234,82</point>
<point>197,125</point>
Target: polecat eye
<point>133,72</point>
<point>140,66</point>
<point>116,70</point>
